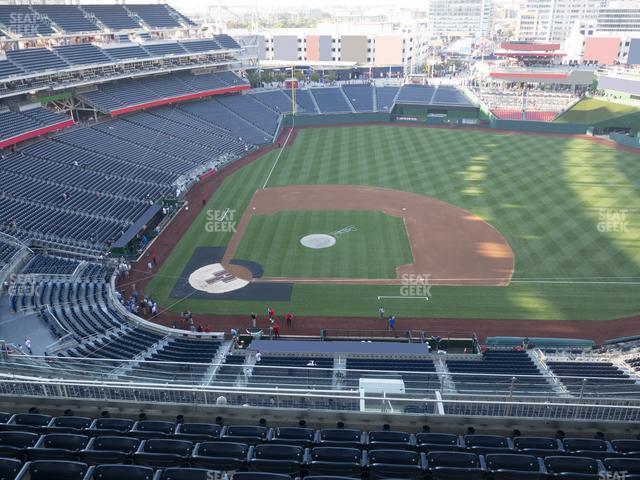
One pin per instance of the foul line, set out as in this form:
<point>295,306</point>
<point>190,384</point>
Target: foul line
<point>277,158</point>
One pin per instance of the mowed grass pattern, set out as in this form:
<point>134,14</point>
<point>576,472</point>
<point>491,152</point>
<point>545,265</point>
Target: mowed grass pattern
<point>546,194</point>
<point>374,250</point>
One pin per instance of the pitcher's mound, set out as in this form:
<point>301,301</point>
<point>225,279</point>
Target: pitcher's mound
<point>318,241</point>
<point>215,279</point>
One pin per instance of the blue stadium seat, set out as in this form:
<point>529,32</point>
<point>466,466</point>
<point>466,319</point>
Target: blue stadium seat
<point>180,473</point>
<point>390,439</point>
<point>514,467</point>
<point>339,461</point>
<point>54,470</point>
<point>245,434</point>
<point>163,453</point>
<point>340,437</point>
<point>58,446</point>
<point>14,444</point>
<point>484,444</point>
<point>537,446</point>
<point>454,466</point>
<point>120,472</point>
<point>627,447</point>
<point>438,442</point>
<point>108,449</point>
<point>292,436</point>
<point>220,455</point>
<point>572,468</point>
<point>110,426</point>
<point>286,459</point>
<point>152,429</point>
<point>383,464</point>
<point>631,467</point>
<point>198,432</point>
<point>9,468</point>
<point>27,421</point>
<point>587,447</point>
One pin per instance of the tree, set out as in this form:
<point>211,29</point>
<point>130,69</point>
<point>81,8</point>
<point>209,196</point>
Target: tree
<point>314,77</point>
<point>331,77</point>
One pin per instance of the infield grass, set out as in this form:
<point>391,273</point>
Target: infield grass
<point>569,208</point>
<point>374,249</point>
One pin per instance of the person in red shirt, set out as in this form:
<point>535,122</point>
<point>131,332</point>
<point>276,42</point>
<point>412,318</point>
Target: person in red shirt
<point>289,318</point>
<point>276,331</point>
<point>271,312</point>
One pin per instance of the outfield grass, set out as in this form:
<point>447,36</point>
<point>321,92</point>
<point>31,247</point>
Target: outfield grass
<point>569,208</point>
<point>592,111</point>
<point>374,250</point>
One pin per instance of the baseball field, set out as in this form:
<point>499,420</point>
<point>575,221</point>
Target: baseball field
<point>500,225</point>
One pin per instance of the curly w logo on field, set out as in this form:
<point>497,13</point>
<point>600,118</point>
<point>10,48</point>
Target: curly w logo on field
<point>342,231</point>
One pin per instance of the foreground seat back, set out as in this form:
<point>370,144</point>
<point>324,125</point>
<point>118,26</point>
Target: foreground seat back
<point>121,472</point>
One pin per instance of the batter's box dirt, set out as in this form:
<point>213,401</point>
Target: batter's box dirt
<point>254,291</point>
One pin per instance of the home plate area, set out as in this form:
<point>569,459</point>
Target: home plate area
<point>215,279</point>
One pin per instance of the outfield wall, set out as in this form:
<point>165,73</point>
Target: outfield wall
<point>335,119</point>
<point>626,140</point>
<point>538,127</point>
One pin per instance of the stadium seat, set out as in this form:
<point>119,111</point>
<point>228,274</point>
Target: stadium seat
<point>261,476</point>
<point>15,444</point>
<point>341,461</point>
<point>53,470</point>
<point>152,429</point>
<point>514,467</point>
<point>108,449</point>
<point>27,422</point>
<point>572,468</point>
<point>68,424</point>
<point>198,432</point>
<point>9,468</point>
<point>390,439</point>
<point>285,459</point>
<point>181,473</point>
<point>163,453</point>
<point>454,466</point>
<point>484,444</point>
<point>220,455</point>
<point>110,426</point>
<point>587,447</point>
<point>438,442</point>
<point>631,467</point>
<point>292,436</point>
<point>58,446</point>
<point>340,437</point>
<point>537,446</point>
<point>5,417</point>
<point>245,434</point>
<point>384,464</point>
<point>627,447</point>
<point>120,472</point>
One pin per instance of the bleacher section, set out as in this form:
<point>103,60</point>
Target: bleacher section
<point>490,375</point>
<point>385,97</point>
<point>29,123</point>
<point>114,17</point>
<point>36,59</point>
<point>7,251</point>
<point>304,101</point>
<point>360,96</point>
<point>251,110</point>
<point>128,95</point>
<point>50,265</point>
<point>533,105</point>
<point>20,20</point>
<point>67,18</point>
<point>273,370</point>
<point>601,379</point>
<point>181,361</point>
<point>275,100</point>
<point>330,100</point>
<point>416,94</point>
<point>82,54</point>
<point>126,52</point>
<point>419,376</point>
<point>155,16</point>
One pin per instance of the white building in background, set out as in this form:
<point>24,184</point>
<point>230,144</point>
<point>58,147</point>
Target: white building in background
<point>460,18</point>
<point>615,26</point>
<point>552,20</point>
